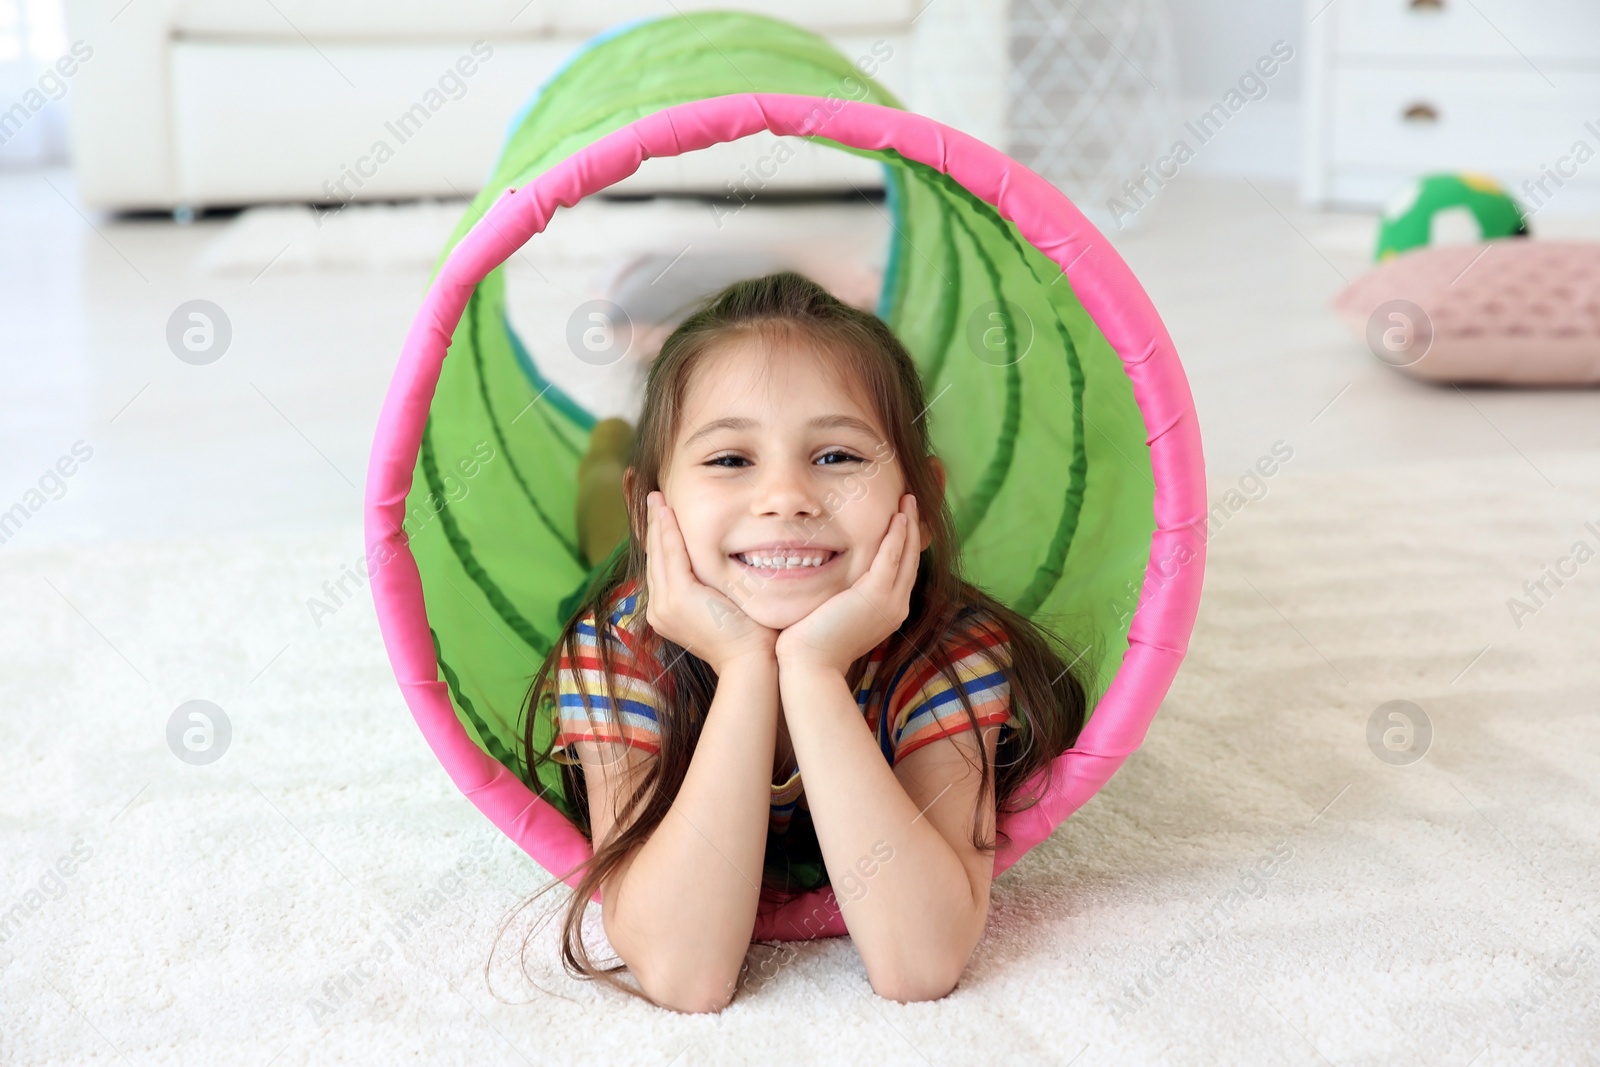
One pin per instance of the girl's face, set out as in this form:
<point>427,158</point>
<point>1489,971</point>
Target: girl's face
<point>774,460</point>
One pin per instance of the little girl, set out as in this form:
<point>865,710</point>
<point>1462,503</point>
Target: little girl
<point>783,682</point>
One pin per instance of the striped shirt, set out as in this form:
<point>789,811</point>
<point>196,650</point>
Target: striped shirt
<point>919,707</point>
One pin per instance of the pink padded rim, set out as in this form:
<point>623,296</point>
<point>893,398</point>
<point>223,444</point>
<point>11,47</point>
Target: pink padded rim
<point>1162,621</point>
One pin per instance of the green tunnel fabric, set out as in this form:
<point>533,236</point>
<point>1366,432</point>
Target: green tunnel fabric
<point>1049,473</point>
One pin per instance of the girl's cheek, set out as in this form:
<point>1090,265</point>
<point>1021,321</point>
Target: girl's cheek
<point>854,488</point>
<point>703,559</point>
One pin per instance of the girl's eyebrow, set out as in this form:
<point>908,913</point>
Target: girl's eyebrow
<point>821,422</point>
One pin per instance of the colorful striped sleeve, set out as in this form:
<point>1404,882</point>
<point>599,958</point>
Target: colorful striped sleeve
<point>633,721</point>
<point>785,798</point>
<point>924,706</point>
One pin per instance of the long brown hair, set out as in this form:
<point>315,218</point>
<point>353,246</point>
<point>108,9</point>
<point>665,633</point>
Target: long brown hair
<point>1048,701</point>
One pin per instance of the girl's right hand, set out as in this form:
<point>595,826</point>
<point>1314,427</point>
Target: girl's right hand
<point>681,608</point>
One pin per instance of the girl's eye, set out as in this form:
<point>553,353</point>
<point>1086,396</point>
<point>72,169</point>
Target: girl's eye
<point>733,461</point>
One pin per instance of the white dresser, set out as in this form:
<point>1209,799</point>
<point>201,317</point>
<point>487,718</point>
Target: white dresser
<point>1399,88</point>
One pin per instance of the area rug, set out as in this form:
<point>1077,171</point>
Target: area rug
<point>1284,873</point>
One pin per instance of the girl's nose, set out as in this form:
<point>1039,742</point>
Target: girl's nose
<point>785,491</point>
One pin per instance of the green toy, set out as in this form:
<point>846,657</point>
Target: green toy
<point>1411,219</point>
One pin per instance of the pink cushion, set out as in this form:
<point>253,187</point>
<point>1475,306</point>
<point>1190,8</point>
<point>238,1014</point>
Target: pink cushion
<point>1514,310</point>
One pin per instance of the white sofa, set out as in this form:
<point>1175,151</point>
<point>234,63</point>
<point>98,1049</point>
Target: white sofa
<point>187,104</point>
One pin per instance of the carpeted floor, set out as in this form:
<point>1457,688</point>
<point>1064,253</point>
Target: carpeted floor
<point>1255,886</point>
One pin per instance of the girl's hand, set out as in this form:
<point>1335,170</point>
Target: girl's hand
<point>850,624</point>
<point>681,608</point>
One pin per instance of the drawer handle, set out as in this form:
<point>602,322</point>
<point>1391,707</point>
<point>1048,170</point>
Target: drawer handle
<point>1421,112</point>
<point>1427,5</point>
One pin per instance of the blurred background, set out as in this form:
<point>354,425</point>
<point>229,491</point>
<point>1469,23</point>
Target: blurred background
<point>300,164</point>
<point>1372,228</point>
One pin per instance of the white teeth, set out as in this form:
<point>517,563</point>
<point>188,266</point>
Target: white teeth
<point>783,562</point>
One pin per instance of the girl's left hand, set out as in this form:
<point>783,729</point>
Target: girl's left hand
<point>850,624</point>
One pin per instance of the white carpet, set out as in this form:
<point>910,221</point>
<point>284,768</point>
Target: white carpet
<point>1445,912</point>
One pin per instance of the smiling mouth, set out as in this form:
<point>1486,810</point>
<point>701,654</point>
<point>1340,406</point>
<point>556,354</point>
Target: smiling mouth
<point>796,563</point>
